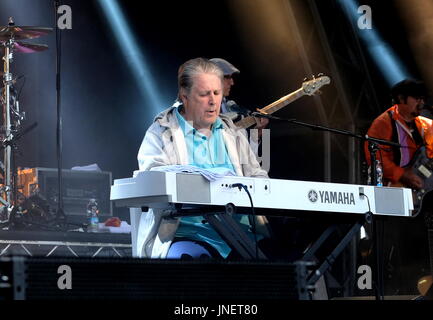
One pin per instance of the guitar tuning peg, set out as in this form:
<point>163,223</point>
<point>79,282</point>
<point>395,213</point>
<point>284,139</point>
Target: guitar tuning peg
<point>305,79</point>
<point>312,76</point>
<point>320,74</point>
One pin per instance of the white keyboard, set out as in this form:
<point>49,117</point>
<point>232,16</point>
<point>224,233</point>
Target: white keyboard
<point>161,189</point>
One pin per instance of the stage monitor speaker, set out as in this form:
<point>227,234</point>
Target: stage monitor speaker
<point>78,188</point>
<point>151,279</point>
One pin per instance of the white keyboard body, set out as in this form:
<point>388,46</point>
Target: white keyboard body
<point>161,189</point>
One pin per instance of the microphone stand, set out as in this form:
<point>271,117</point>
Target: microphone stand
<point>322,128</point>
<point>373,146</point>
<point>60,215</point>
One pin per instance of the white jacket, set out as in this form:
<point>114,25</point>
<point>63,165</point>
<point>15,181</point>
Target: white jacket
<point>164,144</point>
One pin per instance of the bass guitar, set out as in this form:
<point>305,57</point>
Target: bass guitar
<point>423,167</point>
<point>308,88</point>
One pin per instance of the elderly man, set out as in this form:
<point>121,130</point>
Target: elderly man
<point>192,132</point>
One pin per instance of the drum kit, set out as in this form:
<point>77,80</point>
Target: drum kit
<point>12,40</point>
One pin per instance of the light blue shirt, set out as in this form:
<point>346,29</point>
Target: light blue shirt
<point>205,152</point>
<point>209,153</point>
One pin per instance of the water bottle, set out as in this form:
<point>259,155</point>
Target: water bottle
<point>379,173</point>
<point>92,215</point>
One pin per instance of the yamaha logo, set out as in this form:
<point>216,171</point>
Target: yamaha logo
<point>312,196</point>
<point>331,197</point>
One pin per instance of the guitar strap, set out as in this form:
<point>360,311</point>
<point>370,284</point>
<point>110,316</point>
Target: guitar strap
<point>397,152</point>
<point>400,134</point>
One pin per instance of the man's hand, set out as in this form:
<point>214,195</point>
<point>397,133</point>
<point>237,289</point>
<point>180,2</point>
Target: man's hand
<point>410,179</point>
<point>261,123</point>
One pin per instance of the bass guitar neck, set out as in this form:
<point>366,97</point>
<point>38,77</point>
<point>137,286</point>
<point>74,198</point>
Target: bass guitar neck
<point>308,88</point>
<point>271,108</point>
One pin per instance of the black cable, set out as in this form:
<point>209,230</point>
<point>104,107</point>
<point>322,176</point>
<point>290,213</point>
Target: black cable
<point>28,224</point>
<point>252,220</point>
<point>379,286</point>
<point>370,215</point>
<point>368,201</point>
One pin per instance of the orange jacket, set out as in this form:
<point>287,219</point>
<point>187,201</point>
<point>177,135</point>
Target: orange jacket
<point>391,126</point>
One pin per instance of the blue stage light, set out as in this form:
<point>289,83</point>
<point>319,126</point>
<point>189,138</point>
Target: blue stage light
<point>386,60</point>
<point>133,55</point>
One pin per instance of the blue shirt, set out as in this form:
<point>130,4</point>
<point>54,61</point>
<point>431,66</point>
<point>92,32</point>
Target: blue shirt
<point>205,152</point>
<point>208,153</point>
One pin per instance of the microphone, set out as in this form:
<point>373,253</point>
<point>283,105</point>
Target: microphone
<point>232,105</point>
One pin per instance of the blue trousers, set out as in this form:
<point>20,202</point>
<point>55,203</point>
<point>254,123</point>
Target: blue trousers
<point>187,249</point>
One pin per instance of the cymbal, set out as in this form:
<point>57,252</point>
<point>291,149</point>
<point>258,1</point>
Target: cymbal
<point>24,47</point>
<point>22,32</point>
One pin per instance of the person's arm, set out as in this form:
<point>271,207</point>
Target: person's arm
<point>261,124</point>
<point>411,179</point>
<point>254,140</point>
<point>256,135</point>
<point>152,153</point>
<point>252,168</point>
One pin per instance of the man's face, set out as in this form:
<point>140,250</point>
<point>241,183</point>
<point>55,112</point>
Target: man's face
<point>412,108</point>
<point>227,84</point>
<point>202,104</point>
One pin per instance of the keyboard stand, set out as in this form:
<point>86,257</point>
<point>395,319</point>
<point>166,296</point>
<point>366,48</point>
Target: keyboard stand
<point>220,218</point>
<point>330,259</point>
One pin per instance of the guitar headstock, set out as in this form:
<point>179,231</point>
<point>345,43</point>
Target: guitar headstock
<point>310,87</point>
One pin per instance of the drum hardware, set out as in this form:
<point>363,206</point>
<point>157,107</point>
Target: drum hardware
<point>32,213</point>
<point>25,47</point>
<point>10,40</point>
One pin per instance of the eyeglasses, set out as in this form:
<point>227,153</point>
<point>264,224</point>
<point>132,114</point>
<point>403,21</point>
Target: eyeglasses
<point>228,76</point>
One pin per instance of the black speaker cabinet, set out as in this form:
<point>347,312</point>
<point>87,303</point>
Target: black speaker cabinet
<point>78,188</point>
<point>150,279</point>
